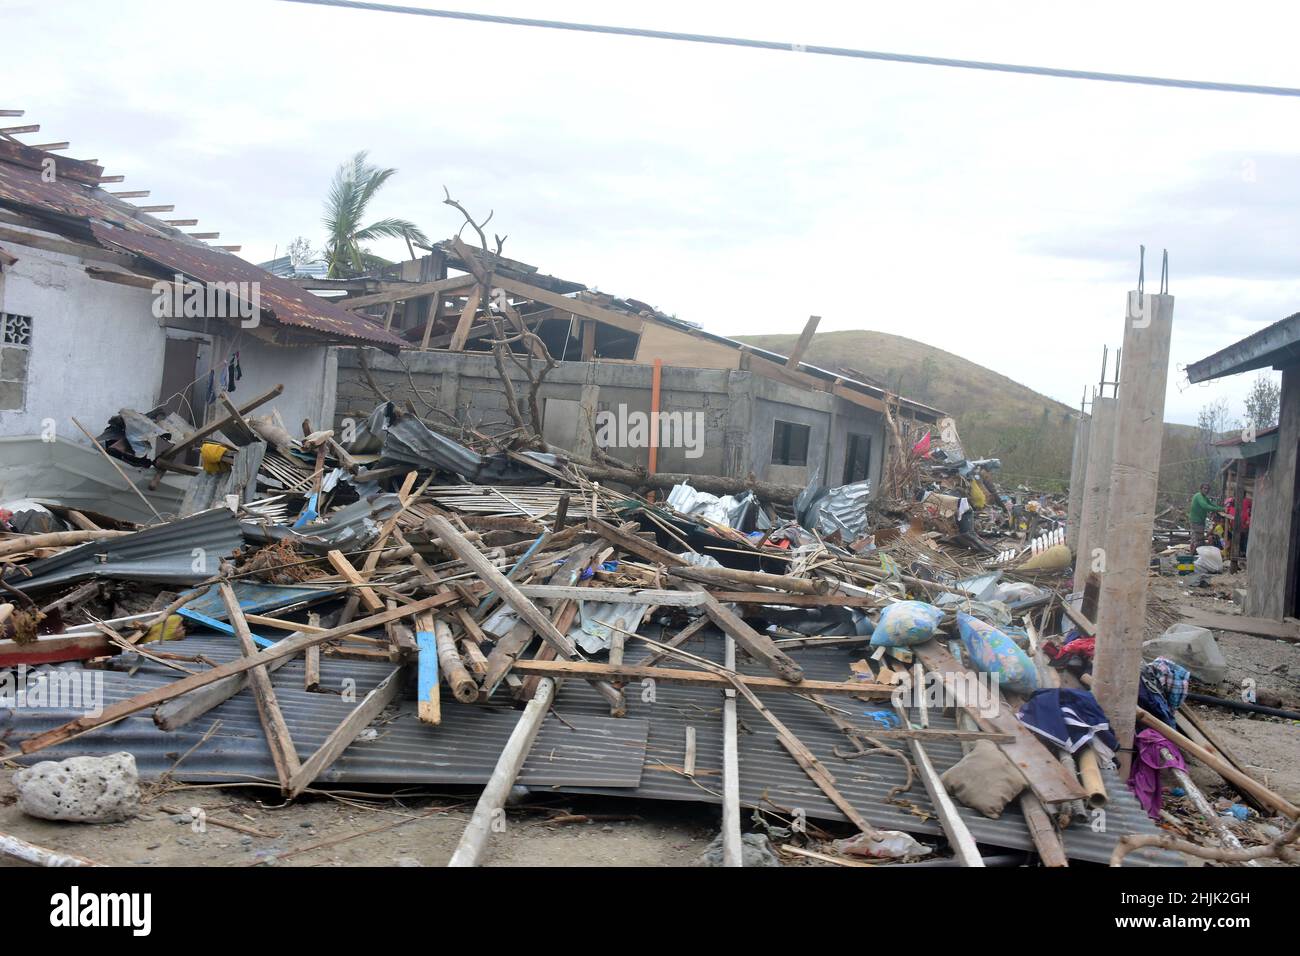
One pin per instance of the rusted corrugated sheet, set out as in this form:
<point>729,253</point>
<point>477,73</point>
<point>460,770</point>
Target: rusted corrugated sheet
<point>20,186</point>
<point>287,303</point>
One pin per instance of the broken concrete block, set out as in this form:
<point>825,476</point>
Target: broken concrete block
<point>84,789</point>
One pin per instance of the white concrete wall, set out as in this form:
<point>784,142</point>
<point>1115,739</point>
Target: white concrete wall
<point>308,373</point>
<point>96,346</point>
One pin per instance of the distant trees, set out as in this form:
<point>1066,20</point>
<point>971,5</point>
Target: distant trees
<point>1262,401</point>
<point>301,252</point>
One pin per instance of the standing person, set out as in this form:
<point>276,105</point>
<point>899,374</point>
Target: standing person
<point>1246,505</point>
<point>1201,508</point>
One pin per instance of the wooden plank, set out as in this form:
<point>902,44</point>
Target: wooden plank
<point>429,694</point>
<point>51,650</point>
<point>1241,624</point>
<point>954,827</point>
<point>795,600</point>
<point>178,712</point>
<point>278,739</point>
<point>587,310</point>
<point>474,840</point>
<point>285,648</point>
<point>461,333</point>
<point>805,339</point>
<point>415,290</point>
<point>1046,840</point>
<point>629,673</point>
<point>758,646</point>
<point>345,567</point>
<point>455,542</point>
<point>551,592</point>
<point>346,732</point>
<point>1046,776</point>
<point>733,850</point>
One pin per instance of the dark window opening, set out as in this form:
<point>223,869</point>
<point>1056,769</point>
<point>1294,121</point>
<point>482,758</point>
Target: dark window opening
<point>857,459</point>
<point>790,443</point>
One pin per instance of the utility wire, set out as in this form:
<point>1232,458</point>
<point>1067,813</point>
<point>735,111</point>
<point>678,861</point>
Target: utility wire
<point>810,48</point>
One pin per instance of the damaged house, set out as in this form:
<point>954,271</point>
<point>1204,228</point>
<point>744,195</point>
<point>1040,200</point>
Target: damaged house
<point>105,307</point>
<point>722,408</point>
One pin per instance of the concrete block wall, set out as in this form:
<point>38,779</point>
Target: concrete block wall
<point>736,409</point>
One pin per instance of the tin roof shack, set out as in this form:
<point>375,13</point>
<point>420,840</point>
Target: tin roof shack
<point>724,408</point>
<point>1241,463</point>
<point>1272,546</point>
<point>93,318</point>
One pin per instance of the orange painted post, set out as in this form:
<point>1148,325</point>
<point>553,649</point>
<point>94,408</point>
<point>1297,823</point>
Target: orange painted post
<point>654,414</point>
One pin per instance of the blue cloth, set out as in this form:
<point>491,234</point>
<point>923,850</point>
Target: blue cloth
<point>1069,719</point>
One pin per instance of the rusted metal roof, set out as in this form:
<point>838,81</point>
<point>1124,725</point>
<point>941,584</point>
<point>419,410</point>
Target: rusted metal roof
<point>24,187</point>
<point>118,224</point>
<point>287,304</point>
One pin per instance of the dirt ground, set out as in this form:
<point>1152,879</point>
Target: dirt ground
<point>346,831</point>
<point>1268,746</point>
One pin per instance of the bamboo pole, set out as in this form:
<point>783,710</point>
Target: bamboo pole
<point>492,801</point>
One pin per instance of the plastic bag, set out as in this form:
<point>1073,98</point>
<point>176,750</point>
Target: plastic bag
<point>992,652</point>
<point>1194,648</point>
<point>1209,559</point>
<point>906,623</point>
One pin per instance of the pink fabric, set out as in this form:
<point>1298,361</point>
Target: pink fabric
<point>1144,777</point>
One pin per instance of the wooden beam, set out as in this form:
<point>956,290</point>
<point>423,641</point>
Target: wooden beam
<point>627,323</point>
<point>650,596</point>
<point>631,673</point>
<point>492,801</point>
<point>287,647</point>
<point>415,290</point>
<point>1046,776</point>
<point>278,740</point>
<point>805,339</point>
<point>954,827</point>
<point>79,250</point>
<point>733,849</point>
<point>342,736</point>
<point>461,334</point>
<point>455,542</point>
<point>178,712</point>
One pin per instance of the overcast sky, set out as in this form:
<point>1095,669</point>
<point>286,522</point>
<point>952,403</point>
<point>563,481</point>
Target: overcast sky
<point>996,216</point>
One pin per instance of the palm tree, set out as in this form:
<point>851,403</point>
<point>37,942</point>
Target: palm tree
<point>355,184</point>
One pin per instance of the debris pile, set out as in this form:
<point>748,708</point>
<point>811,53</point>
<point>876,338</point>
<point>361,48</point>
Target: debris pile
<point>884,663</point>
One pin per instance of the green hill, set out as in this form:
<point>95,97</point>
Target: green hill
<point>996,416</point>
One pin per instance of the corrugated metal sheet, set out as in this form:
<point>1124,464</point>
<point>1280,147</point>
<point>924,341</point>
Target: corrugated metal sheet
<point>163,554</point>
<point>289,304</point>
<point>590,750</point>
<point>606,754</point>
<point>768,775</point>
<point>20,186</point>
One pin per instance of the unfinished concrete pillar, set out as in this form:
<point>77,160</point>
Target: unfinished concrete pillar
<point>1139,428</point>
<point>1078,475</point>
<point>1096,488</point>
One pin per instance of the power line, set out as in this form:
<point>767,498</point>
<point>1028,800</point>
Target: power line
<point>810,48</point>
